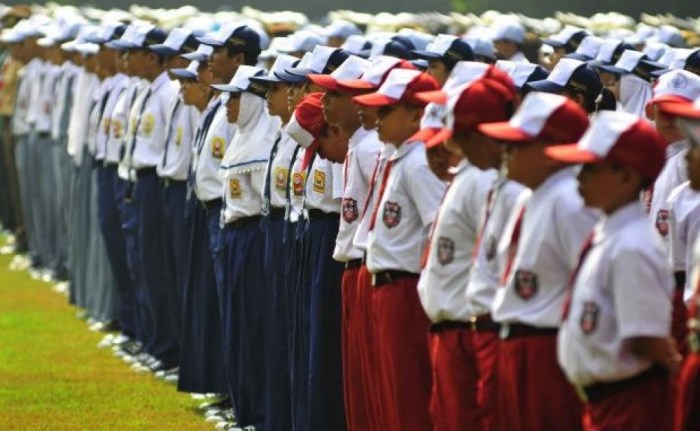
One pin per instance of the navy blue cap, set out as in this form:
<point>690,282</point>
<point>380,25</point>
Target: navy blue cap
<point>581,79</point>
<point>106,35</point>
<point>449,49</point>
<point>617,53</point>
<point>242,38</point>
<point>397,46</point>
<point>332,62</point>
<point>421,64</point>
<point>570,44</point>
<point>188,46</point>
<point>287,77</point>
<point>692,63</point>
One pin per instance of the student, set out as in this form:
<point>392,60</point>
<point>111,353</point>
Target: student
<point>614,344</point>
<point>443,54</point>
<point>674,87</point>
<point>688,395</point>
<point>362,150</point>
<point>508,39</point>
<point>244,296</point>
<point>456,400</point>
<point>634,88</point>
<point>406,205</point>
<point>540,248</point>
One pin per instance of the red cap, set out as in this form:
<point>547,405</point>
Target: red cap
<point>353,67</point>
<point>375,76</point>
<point>308,122</point>
<point>619,137</point>
<point>677,87</point>
<point>545,116</point>
<point>401,85</point>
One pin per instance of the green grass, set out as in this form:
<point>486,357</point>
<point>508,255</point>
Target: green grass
<point>53,377</point>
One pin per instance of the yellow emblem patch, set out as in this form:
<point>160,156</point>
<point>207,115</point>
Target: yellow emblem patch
<point>281,178</point>
<point>298,182</point>
<point>217,147</point>
<point>148,123</point>
<point>178,137</point>
<point>319,181</point>
<point>105,125</point>
<point>234,188</point>
<point>117,129</point>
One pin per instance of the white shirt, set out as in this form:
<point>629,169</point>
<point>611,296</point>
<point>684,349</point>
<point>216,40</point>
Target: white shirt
<point>444,279</point>
<point>94,117</point>
<point>150,136</point>
<point>623,290</point>
<point>178,152</point>
<point>242,194</point>
<point>278,173</point>
<point>363,148</point>
<point>85,86</point>
<point>554,227</point>
<point>684,205</point>
<point>46,102</point>
<point>62,106</point>
<point>115,87</point>
<point>484,277</point>
<point>28,75</point>
<point>208,152</point>
<point>324,186</point>
<point>361,238</point>
<point>126,164</point>
<point>406,210</point>
<point>519,57</point>
<point>35,93</point>
<point>297,183</point>
<point>673,175</point>
<point>118,120</point>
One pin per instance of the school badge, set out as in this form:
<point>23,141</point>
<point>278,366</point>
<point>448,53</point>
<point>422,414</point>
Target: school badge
<point>217,147</point>
<point>319,181</point>
<point>349,210</point>
<point>149,122</point>
<point>391,215</point>
<point>281,179</point>
<point>491,247</point>
<point>445,250</point>
<point>234,187</point>
<point>589,318</point>
<point>662,222</point>
<point>117,129</point>
<point>526,284</point>
<point>298,181</point>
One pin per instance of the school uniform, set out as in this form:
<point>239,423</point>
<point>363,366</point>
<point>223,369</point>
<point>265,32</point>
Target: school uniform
<point>621,290</point>
<point>363,149</point>
<point>540,247</point>
<point>484,280</point>
<point>145,153</point>
<point>441,288</point>
<point>409,197</point>
<point>202,357</point>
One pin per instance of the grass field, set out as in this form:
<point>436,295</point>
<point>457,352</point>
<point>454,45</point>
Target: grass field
<point>53,377</point>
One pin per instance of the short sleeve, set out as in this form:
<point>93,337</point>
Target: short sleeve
<point>425,189</point>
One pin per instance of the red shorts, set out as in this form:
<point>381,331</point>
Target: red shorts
<point>402,346</point>
<point>354,386</point>
<point>687,414</point>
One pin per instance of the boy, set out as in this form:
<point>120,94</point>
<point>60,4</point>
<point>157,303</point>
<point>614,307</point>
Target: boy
<point>614,344</point>
<point>540,247</point>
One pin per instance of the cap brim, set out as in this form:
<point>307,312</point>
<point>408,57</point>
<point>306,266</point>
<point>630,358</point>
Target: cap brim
<point>597,63</point>
<point>210,41</point>
<point>303,72</point>
<point>226,88</point>
<point>195,56</point>
<point>553,43</point>
<point>571,153</point>
<point>578,56</point>
<point>438,138</point>
<point>613,69</point>
<point>265,80</point>
<point>427,55</point>
<point>356,84</point>
<point>686,110</point>
<point>544,86</point>
<point>424,135</point>
<point>161,49</point>
<point>660,72</point>
<point>326,81</point>
<point>374,100</point>
<point>183,73</point>
<point>503,131</point>
<point>289,78</point>
<point>437,96</point>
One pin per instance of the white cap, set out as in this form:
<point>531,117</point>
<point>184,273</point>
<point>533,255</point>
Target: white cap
<point>590,46</point>
<point>342,29</point>
<point>352,68</point>
<point>534,113</point>
<point>202,53</point>
<point>518,71</point>
<point>671,36</point>
<point>356,44</point>
<point>482,46</point>
<point>301,41</point>
<point>677,83</point>
<point>655,50</point>
<point>508,30</point>
<point>464,72</point>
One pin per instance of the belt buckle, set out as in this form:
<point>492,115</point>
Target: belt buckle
<point>581,393</point>
<point>504,332</point>
<point>473,323</point>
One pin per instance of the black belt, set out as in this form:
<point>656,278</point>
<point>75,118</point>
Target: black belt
<point>483,323</point>
<point>212,204</point>
<point>111,166</point>
<point>383,278</point>
<point>517,330</point>
<point>599,391</point>
<point>167,182</point>
<point>316,214</point>
<point>243,222</point>
<point>353,264</point>
<point>276,213</point>
<point>679,276</point>
<point>145,172</point>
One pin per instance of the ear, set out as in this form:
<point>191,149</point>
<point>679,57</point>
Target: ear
<point>239,59</point>
<point>580,100</point>
<point>417,116</point>
<point>649,111</point>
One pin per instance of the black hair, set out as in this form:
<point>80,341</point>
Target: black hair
<point>249,59</point>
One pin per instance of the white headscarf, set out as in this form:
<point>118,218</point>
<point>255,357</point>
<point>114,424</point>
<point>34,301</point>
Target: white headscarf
<point>634,94</point>
<point>250,147</point>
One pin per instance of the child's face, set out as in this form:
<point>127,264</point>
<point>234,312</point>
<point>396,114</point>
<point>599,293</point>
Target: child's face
<point>277,100</point>
<point>396,123</point>
<point>666,126</point>
<point>233,106</point>
<point>338,107</point>
<point>176,62</point>
<point>294,95</point>
<point>439,71</point>
<point>596,182</point>
<point>526,161</point>
<point>334,145</point>
<point>440,160</point>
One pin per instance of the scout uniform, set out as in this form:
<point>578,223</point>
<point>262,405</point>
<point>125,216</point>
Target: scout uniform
<point>408,199</point>
<point>540,245</point>
<point>620,289</point>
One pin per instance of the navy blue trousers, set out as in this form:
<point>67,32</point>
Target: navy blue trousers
<point>278,416</point>
<point>115,243</point>
<point>177,235</point>
<point>244,313</point>
<point>202,355</point>
<point>156,282</point>
<point>317,330</point>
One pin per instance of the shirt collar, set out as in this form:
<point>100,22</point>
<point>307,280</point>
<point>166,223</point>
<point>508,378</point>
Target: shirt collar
<point>159,81</point>
<point>676,147</point>
<point>406,148</point>
<point>612,223</point>
<point>358,136</point>
<point>550,183</point>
